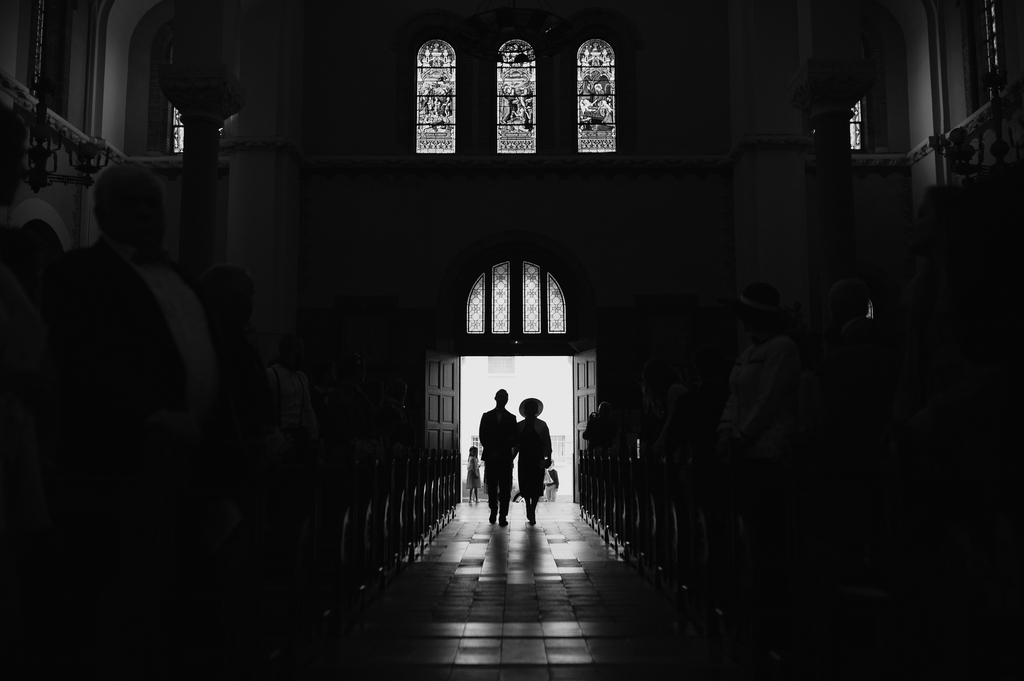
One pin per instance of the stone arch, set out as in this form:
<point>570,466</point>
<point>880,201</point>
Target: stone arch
<point>37,209</point>
<point>463,270</point>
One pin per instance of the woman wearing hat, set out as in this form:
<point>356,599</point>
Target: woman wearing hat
<point>534,447</point>
<point>762,411</point>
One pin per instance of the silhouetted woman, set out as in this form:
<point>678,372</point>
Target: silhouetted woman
<point>534,446</point>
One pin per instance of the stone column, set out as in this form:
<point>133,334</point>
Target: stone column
<point>205,94</point>
<point>828,90</point>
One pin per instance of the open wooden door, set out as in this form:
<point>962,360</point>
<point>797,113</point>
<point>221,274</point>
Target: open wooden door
<point>441,402</point>
<point>585,388</point>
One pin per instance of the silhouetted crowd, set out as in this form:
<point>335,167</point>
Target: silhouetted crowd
<point>895,441</point>
<point>138,424</point>
<point>131,393</point>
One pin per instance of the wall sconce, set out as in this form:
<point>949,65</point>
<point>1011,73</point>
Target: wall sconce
<point>92,156</point>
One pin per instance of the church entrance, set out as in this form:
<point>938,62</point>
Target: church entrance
<point>548,378</point>
<point>460,388</point>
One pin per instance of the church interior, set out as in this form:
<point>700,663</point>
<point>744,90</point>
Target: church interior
<point>405,182</point>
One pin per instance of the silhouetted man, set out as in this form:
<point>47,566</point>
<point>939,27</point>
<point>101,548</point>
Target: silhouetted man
<point>498,435</point>
<point>144,387</point>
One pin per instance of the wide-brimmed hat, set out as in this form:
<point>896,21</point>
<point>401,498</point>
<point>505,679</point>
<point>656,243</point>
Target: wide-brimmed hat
<point>758,305</point>
<point>522,406</point>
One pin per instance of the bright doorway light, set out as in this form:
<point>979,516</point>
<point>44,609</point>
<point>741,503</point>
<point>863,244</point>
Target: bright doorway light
<point>549,379</point>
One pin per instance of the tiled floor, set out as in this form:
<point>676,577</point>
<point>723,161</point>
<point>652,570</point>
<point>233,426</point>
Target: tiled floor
<point>517,603</point>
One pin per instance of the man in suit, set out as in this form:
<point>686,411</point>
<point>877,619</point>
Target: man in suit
<point>146,419</point>
<point>498,435</point>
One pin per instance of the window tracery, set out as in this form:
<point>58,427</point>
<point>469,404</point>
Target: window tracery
<point>595,97</point>
<point>435,98</point>
<point>497,300</point>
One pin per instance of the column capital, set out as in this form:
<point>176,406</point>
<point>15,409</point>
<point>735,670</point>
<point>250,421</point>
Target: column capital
<point>206,91</point>
<point>831,86</point>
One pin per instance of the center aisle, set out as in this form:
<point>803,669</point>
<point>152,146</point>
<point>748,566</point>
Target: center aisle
<point>519,602</point>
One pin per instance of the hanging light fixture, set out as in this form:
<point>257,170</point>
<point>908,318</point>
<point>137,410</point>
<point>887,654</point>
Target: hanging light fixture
<point>88,158</point>
<point>482,33</point>
<point>954,145</point>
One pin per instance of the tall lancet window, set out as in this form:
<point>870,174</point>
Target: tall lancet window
<point>531,298</point>
<point>595,97</point>
<point>500,298</point>
<point>517,87</point>
<point>435,98</point>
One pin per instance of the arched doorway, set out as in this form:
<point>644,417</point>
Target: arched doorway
<point>516,310</point>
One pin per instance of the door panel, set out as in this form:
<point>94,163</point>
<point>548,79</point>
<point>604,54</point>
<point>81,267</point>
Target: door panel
<point>585,365</point>
<point>442,400</point>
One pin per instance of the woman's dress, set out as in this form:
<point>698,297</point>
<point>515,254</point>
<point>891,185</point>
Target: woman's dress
<point>531,453</point>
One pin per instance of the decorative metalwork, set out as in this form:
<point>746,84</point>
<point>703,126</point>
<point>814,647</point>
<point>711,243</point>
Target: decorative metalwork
<point>500,298</point>
<point>556,307</point>
<point>595,97</point>
<point>856,127</point>
<point>435,98</point>
<point>517,86</point>
<point>88,157</point>
<point>475,306</point>
<point>177,132</point>
<point>531,298</point>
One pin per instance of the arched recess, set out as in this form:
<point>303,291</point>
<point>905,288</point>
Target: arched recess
<point>515,246</point>
<point>145,103</point>
<point>117,22</point>
<point>46,240</point>
<point>621,33</point>
<point>37,209</point>
<point>406,42</point>
<point>885,294</point>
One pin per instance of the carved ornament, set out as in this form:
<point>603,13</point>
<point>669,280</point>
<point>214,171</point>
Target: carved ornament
<point>826,87</point>
<point>202,91</point>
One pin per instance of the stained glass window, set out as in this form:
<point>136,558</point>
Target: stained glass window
<point>531,298</point>
<point>856,126</point>
<point>475,306</point>
<point>871,310</point>
<point>992,35</point>
<point>556,307</point>
<point>517,84</point>
<point>435,98</point>
<point>39,45</point>
<point>177,132</point>
<point>595,97</point>
<point>500,298</point>
<point>543,303</point>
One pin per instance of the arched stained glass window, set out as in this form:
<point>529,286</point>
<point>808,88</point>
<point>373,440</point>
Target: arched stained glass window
<point>475,306</point>
<point>435,98</point>
<point>556,306</point>
<point>595,97</point>
<point>497,300</point>
<point>517,87</point>
<point>531,298</point>
<point>500,298</point>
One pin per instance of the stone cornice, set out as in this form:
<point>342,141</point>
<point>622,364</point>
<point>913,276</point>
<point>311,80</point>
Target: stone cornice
<point>24,98</point>
<point>202,91</point>
<point>774,142</point>
<point>517,162</point>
